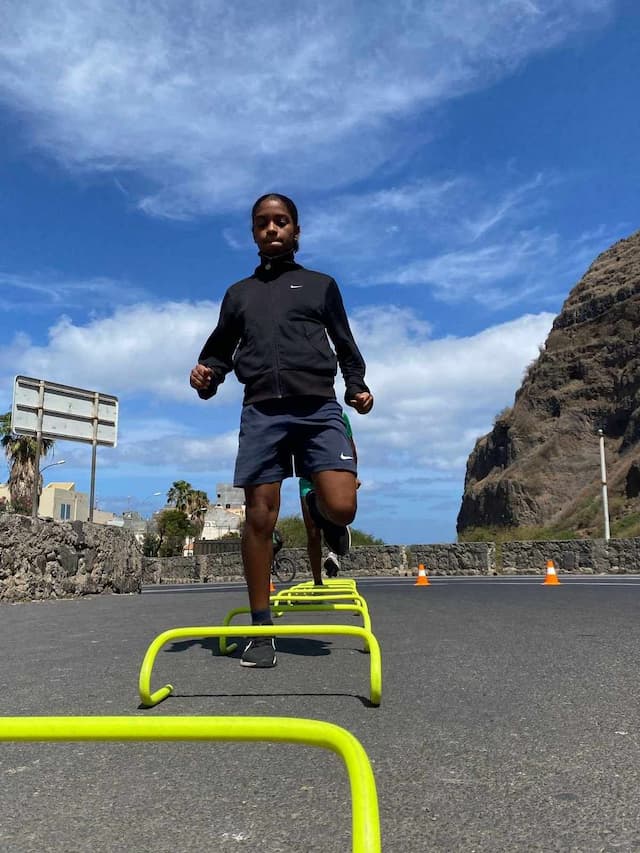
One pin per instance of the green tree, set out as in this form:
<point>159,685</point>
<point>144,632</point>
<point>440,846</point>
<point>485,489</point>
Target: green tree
<point>294,533</point>
<point>20,451</point>
<point>150,544</point>
<point>173,526</point>
<point>193,502</point>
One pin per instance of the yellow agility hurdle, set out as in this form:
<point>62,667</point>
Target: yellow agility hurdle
<point>305,595</point>
<point>348,583</point>
<point>328,595</point>
<point>365,820</point>
<point>327,583</point>
<point>150,699</point>
<point>294,607</point>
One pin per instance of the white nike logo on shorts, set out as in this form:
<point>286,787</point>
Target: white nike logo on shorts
<point>342,456</point>
<point>295,286</point>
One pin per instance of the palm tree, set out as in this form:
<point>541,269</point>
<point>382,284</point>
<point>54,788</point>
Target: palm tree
<point>197,506</point>
<point>20,451</point>
<point>193,502</point>
<point>178,494</point>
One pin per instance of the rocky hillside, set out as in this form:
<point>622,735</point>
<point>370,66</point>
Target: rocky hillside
<point>539,465</point>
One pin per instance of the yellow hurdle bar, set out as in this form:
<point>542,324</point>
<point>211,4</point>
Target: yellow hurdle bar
<point>150,699</point>
<point>345,583</point>
<point>294,607</point>
<point>365,820</point>
<point>304,596</point>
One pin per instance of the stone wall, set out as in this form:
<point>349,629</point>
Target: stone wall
<point>465,558</point>
<point>208,568</point>
<point>584,556</point>
<point>49,559</point>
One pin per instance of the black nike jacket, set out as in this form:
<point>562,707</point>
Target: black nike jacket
<point>272,332</point>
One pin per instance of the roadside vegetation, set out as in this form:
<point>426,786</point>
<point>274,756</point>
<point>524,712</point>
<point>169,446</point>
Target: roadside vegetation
<point>294,533</point>
<point>20,451</point>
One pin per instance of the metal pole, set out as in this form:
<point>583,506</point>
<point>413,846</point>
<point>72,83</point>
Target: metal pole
<point>605,500</point>
<point>94,446</point>
<point>35,498</point>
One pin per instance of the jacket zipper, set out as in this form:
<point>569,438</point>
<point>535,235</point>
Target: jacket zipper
<point>276,357</point>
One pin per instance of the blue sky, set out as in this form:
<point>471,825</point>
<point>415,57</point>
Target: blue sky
<point>457,167</point>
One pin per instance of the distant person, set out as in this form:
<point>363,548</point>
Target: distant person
<point>273,332</point>
<point>277,542</point>
<point>314,534</point>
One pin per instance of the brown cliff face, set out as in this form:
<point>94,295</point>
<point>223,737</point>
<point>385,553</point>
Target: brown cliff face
<point>542,454</point>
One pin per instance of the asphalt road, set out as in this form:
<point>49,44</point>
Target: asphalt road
<point>509,721</point>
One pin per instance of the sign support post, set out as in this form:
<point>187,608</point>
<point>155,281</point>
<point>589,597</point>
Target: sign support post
<point>35,498</point>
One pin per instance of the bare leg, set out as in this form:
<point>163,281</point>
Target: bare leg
<point>263,505</point>
<point>336,495</point>
<point>314,544</point>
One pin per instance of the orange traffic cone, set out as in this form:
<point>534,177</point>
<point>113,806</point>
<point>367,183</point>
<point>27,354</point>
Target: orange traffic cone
<point>272,586</point>
<point>422,579</point>
<point>551,578</point>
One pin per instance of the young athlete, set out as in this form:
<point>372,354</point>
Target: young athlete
<point>272,331</point>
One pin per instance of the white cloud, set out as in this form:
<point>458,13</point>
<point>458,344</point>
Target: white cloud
<point>433,396</point>
<point>209,101</point>
<point>144,350</point>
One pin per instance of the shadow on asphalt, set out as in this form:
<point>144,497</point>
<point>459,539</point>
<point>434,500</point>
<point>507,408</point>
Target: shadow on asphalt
<point>286,645</point>
<point>362,699</point>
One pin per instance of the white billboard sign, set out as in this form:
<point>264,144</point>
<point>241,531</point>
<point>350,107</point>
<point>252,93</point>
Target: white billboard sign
<point>64,412</point>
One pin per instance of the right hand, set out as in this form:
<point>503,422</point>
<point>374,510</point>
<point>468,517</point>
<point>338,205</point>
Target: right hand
<point>200,377</point>
<point>362,402</point>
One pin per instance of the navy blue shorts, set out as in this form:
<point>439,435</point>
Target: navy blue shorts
<point>275,433</point>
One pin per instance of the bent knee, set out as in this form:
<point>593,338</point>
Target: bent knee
<point>342,512</point>
<point>261,519</point>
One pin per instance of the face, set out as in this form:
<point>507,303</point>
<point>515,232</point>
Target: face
<point>273,228</point>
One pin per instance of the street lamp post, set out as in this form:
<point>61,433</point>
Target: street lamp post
<point>605,500</point>
<point>152,495</point>
<point>36,490</point>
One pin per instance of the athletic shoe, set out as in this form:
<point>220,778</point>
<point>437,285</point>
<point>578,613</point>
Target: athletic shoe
<point>332,566</point>
<point>259,652</point>
<point>336,536</point>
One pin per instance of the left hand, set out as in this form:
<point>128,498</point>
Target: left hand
<point>362,402</point>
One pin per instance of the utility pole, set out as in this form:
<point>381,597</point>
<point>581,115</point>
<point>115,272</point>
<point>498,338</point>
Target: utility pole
<point>605,500</point>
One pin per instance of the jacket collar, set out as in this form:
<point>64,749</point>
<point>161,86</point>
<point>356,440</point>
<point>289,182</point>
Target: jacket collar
<point>270,267</point>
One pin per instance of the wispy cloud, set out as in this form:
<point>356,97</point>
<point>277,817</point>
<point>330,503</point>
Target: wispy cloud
<point>527,265</point>
<point>208,102</point>
<point>463,238</point>
<point>41,292</point>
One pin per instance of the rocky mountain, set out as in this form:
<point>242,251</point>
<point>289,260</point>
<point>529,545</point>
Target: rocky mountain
<point>539,465</point>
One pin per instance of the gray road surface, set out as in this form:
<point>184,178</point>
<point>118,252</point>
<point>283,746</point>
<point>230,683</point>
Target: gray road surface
<point>509,722</point>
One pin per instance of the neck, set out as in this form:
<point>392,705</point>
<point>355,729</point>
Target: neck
<point>270,260</point>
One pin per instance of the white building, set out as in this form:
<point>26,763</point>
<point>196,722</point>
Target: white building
<point>219,522</point>
<point>61,502</point>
